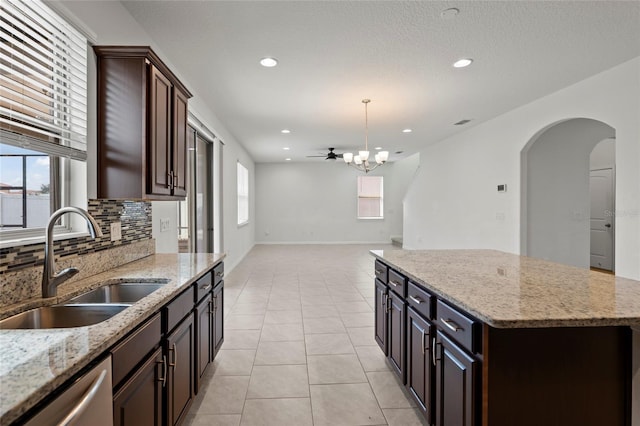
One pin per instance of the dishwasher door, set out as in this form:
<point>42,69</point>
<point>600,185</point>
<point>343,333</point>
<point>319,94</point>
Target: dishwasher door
<point>87,402</point>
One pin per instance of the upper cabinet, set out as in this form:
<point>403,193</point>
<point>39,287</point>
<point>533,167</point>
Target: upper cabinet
<point>142,126</point>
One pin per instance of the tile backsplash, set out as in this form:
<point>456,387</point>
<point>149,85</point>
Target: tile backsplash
<point>135,218</point>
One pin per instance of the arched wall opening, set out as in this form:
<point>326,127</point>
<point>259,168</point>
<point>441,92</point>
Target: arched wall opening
<point>555,195</point>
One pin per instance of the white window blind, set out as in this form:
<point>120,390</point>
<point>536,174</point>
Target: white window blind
<point>243,194</point>
<point>43,80</point>
<point>370,201</point>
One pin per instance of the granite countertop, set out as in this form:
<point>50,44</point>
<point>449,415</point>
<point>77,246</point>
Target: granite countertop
<point>35,362</point>
<point>511,291</point>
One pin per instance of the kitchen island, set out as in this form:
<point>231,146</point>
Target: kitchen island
<point>34,364</point>
<point>491,338</point>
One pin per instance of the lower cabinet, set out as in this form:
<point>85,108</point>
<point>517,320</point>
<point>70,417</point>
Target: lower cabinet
<point>180,349</point>
<point>204,316</point>
<point>456,381</point>
<point>396,323</point>
<point>381,316</point>
<point>218,319</point>
<point>139,400</point>
<point>419,362</point>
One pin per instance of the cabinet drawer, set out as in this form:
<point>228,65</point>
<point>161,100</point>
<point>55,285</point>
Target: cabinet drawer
<point>134,348</point>
<point>218,273</point>
<point>203,286</point>
<point>420,300</point>
<point>381,271</point>
<point>176,310</point>
<point>460,327</point>
<point>397,283</point>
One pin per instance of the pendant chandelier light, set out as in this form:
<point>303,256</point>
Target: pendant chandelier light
<point>361,161</point>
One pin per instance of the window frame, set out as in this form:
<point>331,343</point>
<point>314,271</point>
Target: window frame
<point>369,197</point>
<point>242,192</point>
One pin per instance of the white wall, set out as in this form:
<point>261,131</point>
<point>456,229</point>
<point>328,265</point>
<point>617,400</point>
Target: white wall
<point>603,155</point>
<point>557,191</point>
<point>453,202</point>
<point>316,203</point>
<point>112,24</point>
<point>403,173</point>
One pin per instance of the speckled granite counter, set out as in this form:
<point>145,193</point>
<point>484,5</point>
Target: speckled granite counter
<point>35,362</point>
<point>511,291</point>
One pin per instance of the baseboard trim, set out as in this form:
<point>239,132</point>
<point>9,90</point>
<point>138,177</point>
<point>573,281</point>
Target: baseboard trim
<point>320,242</point>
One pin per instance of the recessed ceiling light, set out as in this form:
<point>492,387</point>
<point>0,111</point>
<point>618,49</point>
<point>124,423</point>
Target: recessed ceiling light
<point>286,148</point>
<point>461,63</point>
<point>268,62</point>
<point>407,130</point>
<point>287,159</point>
<point>285,131</point>
<point>378,148</point>
<point>449,13</point>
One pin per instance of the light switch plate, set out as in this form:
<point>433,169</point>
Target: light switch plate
<point>164,224</point>
<point>116,231</point>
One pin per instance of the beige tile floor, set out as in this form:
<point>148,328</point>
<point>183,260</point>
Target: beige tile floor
<point>299,347</point>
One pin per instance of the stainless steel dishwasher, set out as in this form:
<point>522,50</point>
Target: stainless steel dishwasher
<point>87,402</point>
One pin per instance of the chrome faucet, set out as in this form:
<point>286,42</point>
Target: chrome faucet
<point>50,279</point>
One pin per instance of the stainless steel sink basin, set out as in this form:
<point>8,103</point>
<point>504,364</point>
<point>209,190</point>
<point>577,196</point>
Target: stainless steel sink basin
<point>123,292</point>
<point>62,316</point>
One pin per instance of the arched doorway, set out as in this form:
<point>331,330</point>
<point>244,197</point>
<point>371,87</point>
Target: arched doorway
<point>556,201</point>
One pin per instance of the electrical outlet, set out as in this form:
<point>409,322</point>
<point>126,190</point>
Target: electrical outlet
<point>164,224</point>
<point>116,231</point>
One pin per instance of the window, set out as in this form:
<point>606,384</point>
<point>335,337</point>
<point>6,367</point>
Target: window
<point>370,205</point>
<point>243,194</point>
<point>43,118</point>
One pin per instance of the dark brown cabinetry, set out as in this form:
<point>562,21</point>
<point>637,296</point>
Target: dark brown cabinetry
<point>381,316</point>
<point>396,318</point>
<point>456,381</point>
<point>419,364</point>
<point>204,337</point>
<point>180,350</point>
<point>139,400</point>
<point>218,321</point>
<point>142,126</point>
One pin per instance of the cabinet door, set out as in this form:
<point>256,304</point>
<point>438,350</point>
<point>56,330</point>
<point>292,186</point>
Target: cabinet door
<point>419,366</point>
<point>381,316</point>
<point>180,131</point>
<point>159,146</point>
<point>456,382</point>
<point>395,305</point>
<point>139,401</point>
<point>180,357</point>
<point>218,314</point>
<point>204,334</point>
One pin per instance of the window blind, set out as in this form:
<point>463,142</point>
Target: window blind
<point>43,80</point>
<point>370,197</point>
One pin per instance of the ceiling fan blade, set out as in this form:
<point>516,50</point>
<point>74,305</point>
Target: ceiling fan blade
<point>312,156</point>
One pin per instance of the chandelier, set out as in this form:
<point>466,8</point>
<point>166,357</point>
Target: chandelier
<point>361,161</point>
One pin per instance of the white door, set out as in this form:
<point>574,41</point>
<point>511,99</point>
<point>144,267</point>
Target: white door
<point>602,218</point>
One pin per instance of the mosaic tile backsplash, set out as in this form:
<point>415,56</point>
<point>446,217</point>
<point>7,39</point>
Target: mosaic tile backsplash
<point>135,218</point>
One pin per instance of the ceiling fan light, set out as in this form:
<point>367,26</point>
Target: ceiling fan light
<point>364,155</point>
<point>357,160</point>
<point>347,157</point>
<point>384,156</point>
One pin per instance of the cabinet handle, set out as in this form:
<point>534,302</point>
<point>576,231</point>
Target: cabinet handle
<point>175,356</point>
<point>220,274</point>
<point>393,283</point>
<point>389,305</point>
<point>79,408</point>
<point>423,338</point>
<point>416,299</point>
<point>163,379</point>
<point>212,308</point>
<point>383,300</point>
<point>169,180</point>
<point>175,179</point>
<point>205,287</point>
<point>451,325</point>
<point>434,349</point>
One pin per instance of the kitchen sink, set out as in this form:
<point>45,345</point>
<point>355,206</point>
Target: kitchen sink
<point>122,292</point>
<point>62,316</point>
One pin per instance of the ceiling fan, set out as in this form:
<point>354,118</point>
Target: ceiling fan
<point>328,156</point>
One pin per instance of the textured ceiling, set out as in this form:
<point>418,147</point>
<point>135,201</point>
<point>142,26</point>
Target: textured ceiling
<point>334,53</point>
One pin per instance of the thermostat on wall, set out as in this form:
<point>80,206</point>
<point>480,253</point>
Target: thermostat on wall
<point>502,188</point>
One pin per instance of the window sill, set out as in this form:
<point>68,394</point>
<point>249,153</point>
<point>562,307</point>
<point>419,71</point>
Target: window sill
<point>25,241</point>
<point>243,224</point>
<point>370,218</point>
